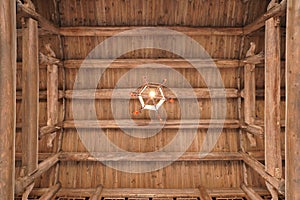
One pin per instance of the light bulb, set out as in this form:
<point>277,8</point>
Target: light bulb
<point>152,94</point>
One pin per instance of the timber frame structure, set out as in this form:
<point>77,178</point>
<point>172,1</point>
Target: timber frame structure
<point>257,155</point>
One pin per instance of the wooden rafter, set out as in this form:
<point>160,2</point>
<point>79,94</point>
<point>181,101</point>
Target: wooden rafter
<point>132,63</point>
<point>147,192</point>
<point>200,93</point>
<point>159,156</point>
<point>170,124</point>
<point>112,31</point>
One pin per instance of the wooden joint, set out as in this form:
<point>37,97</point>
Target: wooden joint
<point>255,59</point>
<point>45,130</point>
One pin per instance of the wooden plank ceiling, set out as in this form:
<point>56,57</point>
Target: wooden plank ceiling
<point>84,173</point>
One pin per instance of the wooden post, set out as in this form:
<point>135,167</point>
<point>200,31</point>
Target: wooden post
<point>273,159</point>
<point>7,97</point>
<point>292,134</point>
<point>203,193</point>
<point>30,96</point>
<point>51,192</point>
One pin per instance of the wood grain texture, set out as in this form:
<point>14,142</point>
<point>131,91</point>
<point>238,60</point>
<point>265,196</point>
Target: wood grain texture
<point>273,163</point>
<point>292,133</point>
<point>7,97</point>
<point>30,96</point>
<point>51,192</point>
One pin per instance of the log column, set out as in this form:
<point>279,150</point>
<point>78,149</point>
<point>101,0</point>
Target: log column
<point>7,97</point>
<point>293,101</point>
<point>273,160</point>
<point>30,96</point>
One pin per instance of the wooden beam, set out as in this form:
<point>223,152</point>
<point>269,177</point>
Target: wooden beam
<point>273,161</point>
<point>292,115</point>
<point>147,192</point>
<point>8,59</point>
<point>132,63</point>
<point>41,156</point>
<point>23,182</point>
<point>214,156</point>
<point>51,192</point>
<point>97,195</point>
<point>44,23</point>
<point>159,156</point>
<point>276,11</point>
<point>249,88</point>
<point>112,31</point>
<point>260,169</point>
<point>251,193</point>
<point>203,193</point>
<point>42,32</point>
<point>181,93</point>
<point>261,93</point>
<point>42,94</point>
<point>170,124</point>
<point>30,96</point>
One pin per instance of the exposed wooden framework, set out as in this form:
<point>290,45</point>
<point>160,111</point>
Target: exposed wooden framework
<point>52,90</point>
<point>278,10</point>
<point>23,182</point>
<point>159,156</point>
<point>112,31</point>
<point>200,93</point>
<point>170,124</point>
<point>292,134</point>
<point>132,63</point>
<point>7,97</point>
<point>187,156</point>
<point>273,163</point>
<point>278,184</point>
<point>272,175</point>
<point>147,192</point>
<point>30,97</point>
<point>44,23</point>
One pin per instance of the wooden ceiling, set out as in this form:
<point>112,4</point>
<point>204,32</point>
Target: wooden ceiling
<point>223,171</point>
